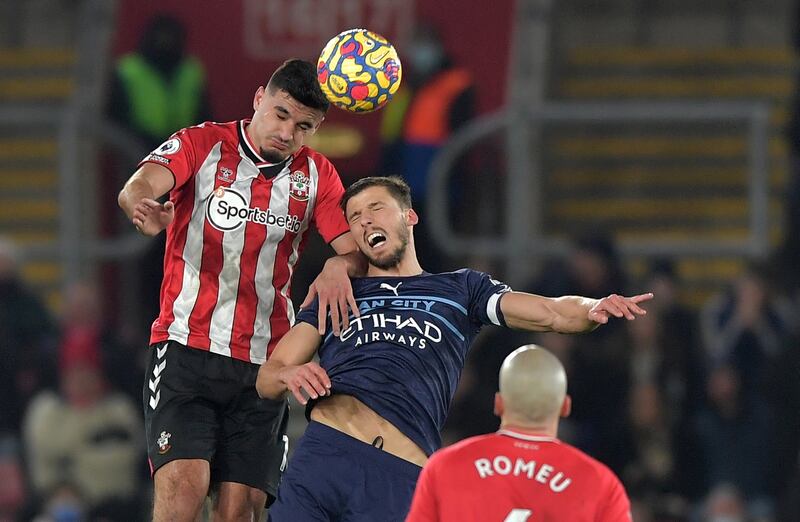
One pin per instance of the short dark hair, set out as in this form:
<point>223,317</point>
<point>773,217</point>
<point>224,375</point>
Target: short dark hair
<point>396,186</point>
<point>299,79</point>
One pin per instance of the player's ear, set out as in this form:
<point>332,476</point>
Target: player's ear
<point>258,96</point>
<point>413,217</point>
<point>498,404</point>
<point>566,407</point>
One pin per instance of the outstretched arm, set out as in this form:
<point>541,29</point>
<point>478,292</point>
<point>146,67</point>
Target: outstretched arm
<point>567,314</point>
<point>289,367</point>
<point>333,286</point>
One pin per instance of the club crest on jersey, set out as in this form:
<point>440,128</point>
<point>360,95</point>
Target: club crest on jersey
<point>163,442</point>
<point>298,186</point>
<point>225,174</point>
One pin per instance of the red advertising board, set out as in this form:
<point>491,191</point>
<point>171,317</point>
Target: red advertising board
<point>241,41</point>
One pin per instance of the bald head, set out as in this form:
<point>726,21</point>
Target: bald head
<point>533,386</point>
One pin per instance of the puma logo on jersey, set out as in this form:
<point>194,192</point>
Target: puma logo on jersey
<point>387,286</point>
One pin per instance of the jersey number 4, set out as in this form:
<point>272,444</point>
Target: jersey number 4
<point>518,515</point>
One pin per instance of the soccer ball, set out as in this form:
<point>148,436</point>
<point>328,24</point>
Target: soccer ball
<point>359,70</point>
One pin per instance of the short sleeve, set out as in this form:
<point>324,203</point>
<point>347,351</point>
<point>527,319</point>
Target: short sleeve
<point>177,154</point>
<point>484,298</point>
<point>328,216</point>
<point>309,314</point>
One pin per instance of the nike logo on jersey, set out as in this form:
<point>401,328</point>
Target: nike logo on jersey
<point>387,286</point>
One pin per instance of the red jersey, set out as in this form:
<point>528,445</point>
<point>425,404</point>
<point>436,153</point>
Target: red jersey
<point>513,477</point>
<point>240,225</point>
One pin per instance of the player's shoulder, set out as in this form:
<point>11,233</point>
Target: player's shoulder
<point>307,155</point>
<point>459,274</point>
<point>208,133</point>
<point>588,464</point>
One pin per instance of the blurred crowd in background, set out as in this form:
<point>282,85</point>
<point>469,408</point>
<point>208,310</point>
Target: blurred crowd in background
<point>695,406</point>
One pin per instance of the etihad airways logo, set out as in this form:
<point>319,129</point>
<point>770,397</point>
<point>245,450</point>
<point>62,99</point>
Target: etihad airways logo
<point>228,210</point>
<point>396,328</point>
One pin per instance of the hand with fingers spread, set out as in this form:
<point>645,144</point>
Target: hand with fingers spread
<point>151,217</point>
<point>307,381</point>
<point>335,293</point>
<point>618,306</point>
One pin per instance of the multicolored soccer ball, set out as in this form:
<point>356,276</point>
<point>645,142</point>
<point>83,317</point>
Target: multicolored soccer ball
<point>359,70</point>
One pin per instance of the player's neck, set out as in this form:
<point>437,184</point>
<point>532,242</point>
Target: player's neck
<point>404,268</point>
<point>543,430</point>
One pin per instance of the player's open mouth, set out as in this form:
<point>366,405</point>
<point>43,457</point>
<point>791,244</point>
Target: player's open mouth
<point>376,239</point>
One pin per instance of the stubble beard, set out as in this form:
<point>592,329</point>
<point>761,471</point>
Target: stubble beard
<point>393,259</point>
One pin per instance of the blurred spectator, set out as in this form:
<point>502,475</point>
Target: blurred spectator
<point>666,366</point>
<point>650,472</point>
<point>27,341</point>
<point>437,98</point>
<point>783,397</point>
<point>725,504</point>
<point>592,266</point>
<point>676,331</point>
<point>88,437</point>
<point>159,88</point>
<point>155,91</point>
<point>734,438</point>
<point>748,326</point>
<point>85,334</point>
<point>12,486</point>
<point>64,504</point>
<point>598,364</point>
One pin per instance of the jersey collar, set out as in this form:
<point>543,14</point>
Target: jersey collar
<point>525,436</point>
<point>264,167</point>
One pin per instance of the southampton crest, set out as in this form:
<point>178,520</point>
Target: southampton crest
<point>298,186</point>
<point>163,442</point>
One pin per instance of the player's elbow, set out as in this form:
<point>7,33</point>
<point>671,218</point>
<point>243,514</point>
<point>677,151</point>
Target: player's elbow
<point>122,199</point>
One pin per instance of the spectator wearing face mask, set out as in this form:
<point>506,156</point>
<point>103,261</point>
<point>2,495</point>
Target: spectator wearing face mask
<point>436,99</point>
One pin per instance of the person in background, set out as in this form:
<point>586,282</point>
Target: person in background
<point>748,325</point>
<point>86,435</point>
<point>436,99</point>
<point>735,440</point>
<point>83,327</point>
<point>28,337</point>
<point>522,472</point>
<point>159,88</point>
<point>156,90</point>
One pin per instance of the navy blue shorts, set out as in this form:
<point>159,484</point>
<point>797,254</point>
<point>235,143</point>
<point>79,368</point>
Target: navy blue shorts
<point>335,477</point>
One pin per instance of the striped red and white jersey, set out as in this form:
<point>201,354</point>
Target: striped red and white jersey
<point>240,225</point>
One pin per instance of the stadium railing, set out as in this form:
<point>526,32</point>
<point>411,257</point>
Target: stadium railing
<point>523,239</point>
